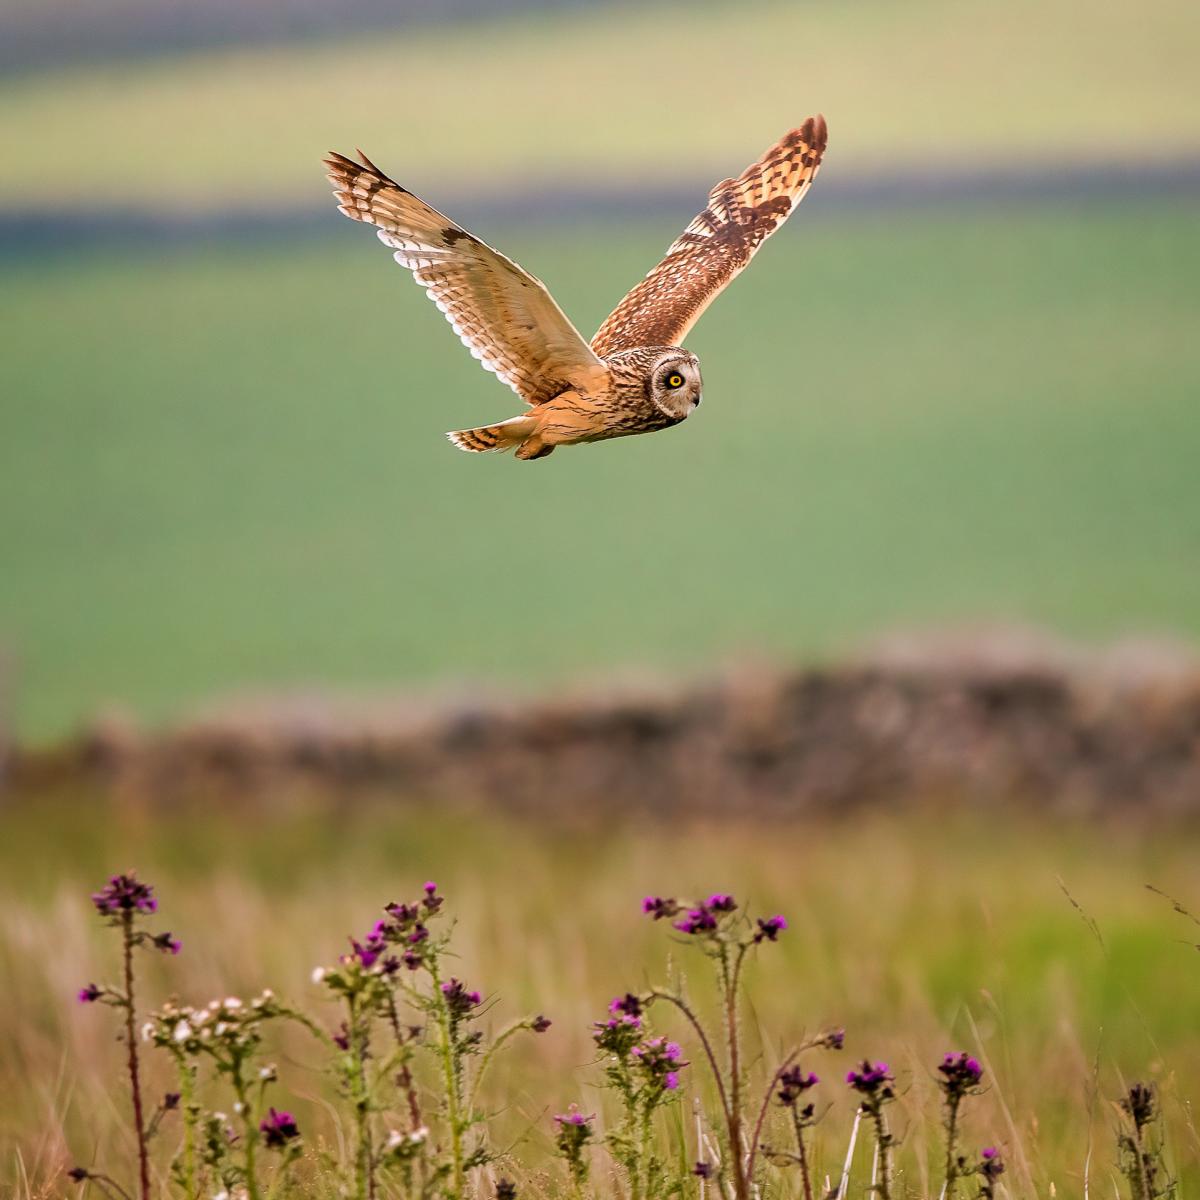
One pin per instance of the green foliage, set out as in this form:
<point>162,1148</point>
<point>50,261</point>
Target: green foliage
<point>226,467</point>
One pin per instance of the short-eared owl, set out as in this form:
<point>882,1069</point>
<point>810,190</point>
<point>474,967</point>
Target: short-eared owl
<point>634,377</point>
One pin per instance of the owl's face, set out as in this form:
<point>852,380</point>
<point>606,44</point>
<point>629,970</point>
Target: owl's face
<point>675,384</point>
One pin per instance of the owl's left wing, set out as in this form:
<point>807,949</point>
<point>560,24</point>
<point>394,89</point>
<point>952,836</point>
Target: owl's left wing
<point>504,316</point>
<point>717,246</point>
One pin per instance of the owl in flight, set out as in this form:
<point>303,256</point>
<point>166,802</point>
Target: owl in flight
<point>634,377</point>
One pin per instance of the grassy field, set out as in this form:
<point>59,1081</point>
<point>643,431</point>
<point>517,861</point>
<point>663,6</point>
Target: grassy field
<point>224,468</point>
<point>919,935</point>
<point>653,93</point>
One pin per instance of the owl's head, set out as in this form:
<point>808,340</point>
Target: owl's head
<point>675,383</point>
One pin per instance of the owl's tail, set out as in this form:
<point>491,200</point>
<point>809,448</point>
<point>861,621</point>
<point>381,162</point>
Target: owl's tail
<point>503,436</point>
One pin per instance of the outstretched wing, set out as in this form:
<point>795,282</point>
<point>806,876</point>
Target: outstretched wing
<point>741,214</point>
<point>504,316</point>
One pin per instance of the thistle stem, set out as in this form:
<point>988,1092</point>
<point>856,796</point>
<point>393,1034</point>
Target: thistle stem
<point>952,1102</point>
<point>694,1021</point>
<point>135,1086</point>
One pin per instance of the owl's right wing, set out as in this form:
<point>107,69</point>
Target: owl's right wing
<point>717,246</point>
<point>504,316</point>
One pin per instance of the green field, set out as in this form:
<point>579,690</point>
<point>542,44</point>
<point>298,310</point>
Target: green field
<point>918,935</point>
<point>224,467</point>
<point>651,93</point>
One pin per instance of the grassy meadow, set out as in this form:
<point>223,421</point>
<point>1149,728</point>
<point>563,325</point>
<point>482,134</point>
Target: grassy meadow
<point>918,934</point>
<point>608,94</point>
<point>224,466</point>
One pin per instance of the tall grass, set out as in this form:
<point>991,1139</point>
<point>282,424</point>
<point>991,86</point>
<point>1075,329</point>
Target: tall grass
<point>919,935</point>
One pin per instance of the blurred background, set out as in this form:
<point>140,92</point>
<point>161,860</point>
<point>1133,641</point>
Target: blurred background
<point>957,393</point>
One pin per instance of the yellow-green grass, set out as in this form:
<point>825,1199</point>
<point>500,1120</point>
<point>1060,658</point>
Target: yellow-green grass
<point>622,94</point>
<point>225,468</point>
<point>919,934</point>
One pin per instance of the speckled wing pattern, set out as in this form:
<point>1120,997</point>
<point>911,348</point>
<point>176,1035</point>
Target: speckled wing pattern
<point>504,316</point>
<point>717,246</point>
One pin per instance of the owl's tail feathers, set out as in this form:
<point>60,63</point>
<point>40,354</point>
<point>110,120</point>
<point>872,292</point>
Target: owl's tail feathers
<point>506,435</point>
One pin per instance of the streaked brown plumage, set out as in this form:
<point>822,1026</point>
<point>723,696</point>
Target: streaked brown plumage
<point>634,377</point>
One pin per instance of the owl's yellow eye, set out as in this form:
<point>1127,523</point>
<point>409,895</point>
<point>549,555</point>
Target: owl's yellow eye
<point>675,380</point>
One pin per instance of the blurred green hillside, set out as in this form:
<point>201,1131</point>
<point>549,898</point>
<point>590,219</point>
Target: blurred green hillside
<point>647,93</point>
<point>223,468</point>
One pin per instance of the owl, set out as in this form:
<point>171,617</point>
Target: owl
<point>634,377</point>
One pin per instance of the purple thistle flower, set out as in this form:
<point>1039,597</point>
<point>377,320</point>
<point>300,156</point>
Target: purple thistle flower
<point>79,1174</point>
<point>703,1170</point>
<point>403,914</point>
<point>411,959</point>
<point>89,994</point>
<point>793,1083</point>
<point>698,920</point>
<point>835,1039</point>
<point>960,1074</point>
<point>721,902</point>
<point>278,1128</point>
<point>770,928</point>
<point>871,1078</point>
<point>124,894</point>
<point>166,943</point>
<point>506,1190</point>
<point>432,900</point>
<point>540,1023</point>
<point>992,1166</point>
<point>628,1003</point>
<point>341,1039</point>
<point>659,1060</point>
<point>458,1000</point>
<point>170,1101</point>
<point>572,1117</point>
<point>659,907</point>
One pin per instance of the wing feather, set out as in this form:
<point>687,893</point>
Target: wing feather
<point>717,246</point>
<point>504,316</point>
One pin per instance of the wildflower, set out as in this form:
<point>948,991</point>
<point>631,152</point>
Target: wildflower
<point>278,1128</point>
<point>458,1000</point>
<point>721,902</point>
<point>182,1031</point>
<point>618,1034</point>
<point>79,1174</point>
<point>660,1061</point>
<point>540,1023</point>
<point>835,1039</point>
<point>166,943</point>
<point>872,1079</point>
<point>1138,1104</point>
<point>506,1190</point>
<point>372,947</point>
<point>659,907</point>
<point>573,1118</point>
<point>960,1073</point>
<point>90,994</point>
<point>770,928</point>
<point>411,959</point>
<point>432,900</point>
<point>318,974</point>
<point>170,1101</point>
<point>992,1165</point>
<point>268,1073</point>
<point>793,1083</point>
<point>404,915</point>
<point>703,1170</point>
<point>629,1004</point>
<point>341,1039</point>
<point>698,920</point>
<point>124,894</point>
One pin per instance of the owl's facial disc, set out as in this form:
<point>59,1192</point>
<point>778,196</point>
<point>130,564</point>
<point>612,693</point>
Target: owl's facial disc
<point>676,385</point>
